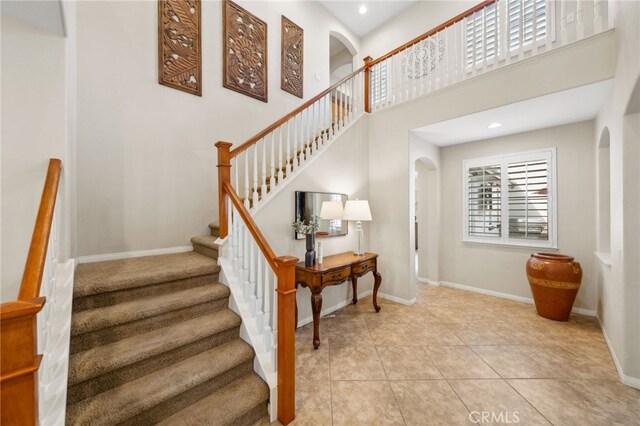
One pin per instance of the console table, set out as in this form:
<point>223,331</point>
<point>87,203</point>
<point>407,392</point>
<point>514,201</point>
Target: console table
<point>335,270</point>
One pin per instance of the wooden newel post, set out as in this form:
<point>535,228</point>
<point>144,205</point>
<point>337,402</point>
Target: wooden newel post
<point>224,175</point>
<point>367,82</point>
<point>286,338</point>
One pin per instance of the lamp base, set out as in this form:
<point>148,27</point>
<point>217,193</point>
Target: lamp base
<point>359,233</point>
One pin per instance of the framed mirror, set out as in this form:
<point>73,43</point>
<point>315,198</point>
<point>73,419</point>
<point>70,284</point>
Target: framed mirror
<point>308,204</point>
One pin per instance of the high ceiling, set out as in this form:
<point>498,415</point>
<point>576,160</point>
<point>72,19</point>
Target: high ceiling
<point>378,12</point>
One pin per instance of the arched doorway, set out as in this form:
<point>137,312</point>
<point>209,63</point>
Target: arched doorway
<point>341,57</point>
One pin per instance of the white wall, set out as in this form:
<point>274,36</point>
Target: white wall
<point>34,129</point>
<point>618,294</point>
<point>342,168</point>
<point>147,175</point>
<point>501,269</point>
<point>390,154</point>
<point>341,65</point>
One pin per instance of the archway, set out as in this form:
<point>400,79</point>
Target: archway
<point>341,57</point>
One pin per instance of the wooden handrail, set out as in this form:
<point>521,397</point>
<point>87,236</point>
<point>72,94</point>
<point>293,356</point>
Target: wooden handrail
<point>34,267</point>
<point>287,117</point>
<point>265,248</point>
<point>432,31</point>
<point>19,360</point>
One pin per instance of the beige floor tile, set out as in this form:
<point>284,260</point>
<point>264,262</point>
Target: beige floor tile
<point>495,402</point>
<point>429,402</point>
<point>482,333</point>
<point>618,402</point>
<point>311,364</point>
<point>407,363</point>
<point>559,403</point>
<point>364,403</point>
<point>460,362</point>
<point>564,364</point>
<point>511,362</point>
<point>313,404</point>
<point>351,362</point>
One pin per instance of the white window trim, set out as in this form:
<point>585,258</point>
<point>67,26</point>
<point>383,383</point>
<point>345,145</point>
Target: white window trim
<point>504,240</point>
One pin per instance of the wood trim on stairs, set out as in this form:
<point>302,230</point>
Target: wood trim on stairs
<point>19,361</point>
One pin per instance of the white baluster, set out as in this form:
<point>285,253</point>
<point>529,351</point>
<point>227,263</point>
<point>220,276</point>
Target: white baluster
<point>280,171</point>
<point>598,21</point>
<point>236,240</point>
<point>522,30</point>
<point>255,196</point>
<point>228,251</point>
<point>484,39</point>
<point>445,56</point>
<point>534,28</point>
<point>323,120</point>
<point>312,128</point>
<point>240,249</point>
<point>563,23</point>
<point>246,259</point>
<point>289,160</point>
<point>307,135</point>
<point>579,19</point>
<point>267,309</point>
<point>433,70</point>
<point>234,176</point>
<point>547,23</point>
<point>505,32</point>
<point>263,183</point>
<point>474,56</point>
<point>272,164</point>
<point>296,140</point>
<point>301,138</point>
<point>247,203</point>
<point>259,292</point>
<point>423,46</point>
<point>438,70</point>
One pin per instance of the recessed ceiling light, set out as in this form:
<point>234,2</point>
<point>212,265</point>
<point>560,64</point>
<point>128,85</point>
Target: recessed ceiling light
<point>494,125</point>
<point>363,9</point>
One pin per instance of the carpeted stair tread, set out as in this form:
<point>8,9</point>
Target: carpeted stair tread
<point>214,229</point>
<point>109,316</point>
<point>103,359</point>
<point>123,402</point>
<point>206,241</point>
<point>103,277</point>
<point>226,405</point>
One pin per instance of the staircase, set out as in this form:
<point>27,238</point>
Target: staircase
<point>153,341</point>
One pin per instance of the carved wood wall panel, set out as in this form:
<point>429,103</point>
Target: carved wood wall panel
<point>245,52</point>
<point>292,65</point>
<point>179,45</point>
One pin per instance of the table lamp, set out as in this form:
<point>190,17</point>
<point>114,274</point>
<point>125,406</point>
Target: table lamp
<point>331,210</point>
<point>357,210</point>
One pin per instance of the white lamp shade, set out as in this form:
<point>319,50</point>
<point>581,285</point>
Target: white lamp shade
<point>357,210</point>
<point>331,210</point>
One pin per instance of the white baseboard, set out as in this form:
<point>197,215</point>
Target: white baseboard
<point>627,380</point>
<point>332,309</point>
<point>529,300</point>
<point>427,281</point>
<point>397,299</point>
<point>131,254</point>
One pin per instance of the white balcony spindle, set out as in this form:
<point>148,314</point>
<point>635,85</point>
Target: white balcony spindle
<point>547,24</point>
<point>272,163</point>
<point>247,203</point>
<point>255,196</point>
<point>598,20</point>
<point>534,28</point>
<point>289,160</point>
<point>252,276</point>
<point>579,19</point>
<point>263,183</point>
<point>280,172</point>
<point>259,292</point>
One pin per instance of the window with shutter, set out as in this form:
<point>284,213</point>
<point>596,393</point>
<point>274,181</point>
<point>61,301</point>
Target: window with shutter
<point>379,82</point>
<point>482,41</point>
<point>526,184</point>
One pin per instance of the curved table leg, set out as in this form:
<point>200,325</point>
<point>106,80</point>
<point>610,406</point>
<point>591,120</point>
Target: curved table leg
<point>354,284</point>
<point>376,286</point>
<point>316,307</point>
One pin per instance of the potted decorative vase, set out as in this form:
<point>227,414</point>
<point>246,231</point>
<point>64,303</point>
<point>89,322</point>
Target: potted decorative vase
<point>554,279</point>
<point>310,255</point>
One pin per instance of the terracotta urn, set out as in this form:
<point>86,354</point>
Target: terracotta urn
<point>554,279</point>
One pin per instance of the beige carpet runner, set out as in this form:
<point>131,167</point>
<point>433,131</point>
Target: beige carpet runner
<point>153,341</point>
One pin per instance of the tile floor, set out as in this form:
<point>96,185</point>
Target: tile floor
<point>457,357</point>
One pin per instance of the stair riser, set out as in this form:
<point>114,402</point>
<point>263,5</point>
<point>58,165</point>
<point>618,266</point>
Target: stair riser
<point>172,406</point>
<point>215,232</point>
<point>104,336</point>
<point>111,379</point>
<point>107,299</point>
<point>252,416</point>
<point>206,251</point>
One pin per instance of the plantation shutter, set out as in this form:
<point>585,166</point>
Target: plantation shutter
<point>529,199</point>
<point>479,31</point>
<point>484,201</point>
<point>379,79</point>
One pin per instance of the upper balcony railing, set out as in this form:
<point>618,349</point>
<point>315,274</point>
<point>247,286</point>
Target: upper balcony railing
<point>493,34</point>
